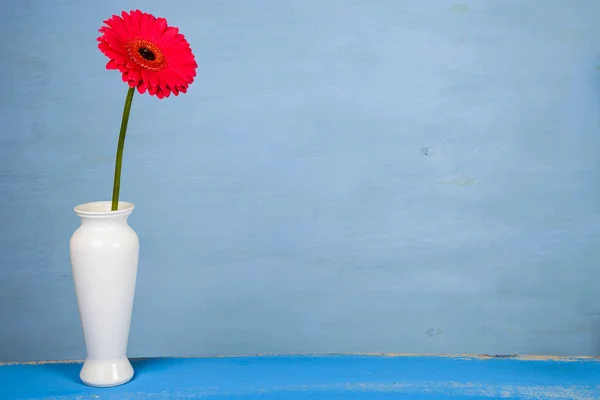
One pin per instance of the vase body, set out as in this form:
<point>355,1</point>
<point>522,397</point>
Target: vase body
<point>104,257</point>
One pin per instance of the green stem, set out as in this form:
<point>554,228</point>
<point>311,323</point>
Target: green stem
<point>119,161</point>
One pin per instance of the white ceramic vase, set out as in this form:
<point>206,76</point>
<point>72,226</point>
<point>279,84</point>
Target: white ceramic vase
<point>104,257</point>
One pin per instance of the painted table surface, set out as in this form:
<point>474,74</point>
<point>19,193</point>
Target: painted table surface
<point>317,377</point>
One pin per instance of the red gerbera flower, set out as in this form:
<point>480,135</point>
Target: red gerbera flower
<point>150,54</point>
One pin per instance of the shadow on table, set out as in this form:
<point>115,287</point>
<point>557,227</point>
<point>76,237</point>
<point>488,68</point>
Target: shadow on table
<point>150,365</point>
<point>63,371</point>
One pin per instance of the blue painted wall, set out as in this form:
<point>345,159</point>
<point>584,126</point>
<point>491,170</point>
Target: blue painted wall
<point>344,176</point>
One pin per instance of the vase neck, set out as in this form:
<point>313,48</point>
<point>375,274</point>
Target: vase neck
<point>116,220</point>
<point>100,214</point>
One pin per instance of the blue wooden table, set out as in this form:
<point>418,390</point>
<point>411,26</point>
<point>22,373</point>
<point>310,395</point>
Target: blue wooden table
<point>317,377</point>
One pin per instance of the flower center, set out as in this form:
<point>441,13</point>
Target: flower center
<point>146,54</point>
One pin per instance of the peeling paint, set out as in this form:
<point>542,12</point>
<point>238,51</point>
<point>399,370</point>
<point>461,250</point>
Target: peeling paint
<point>460,8</point>
<point>523,357</point>
<point>461,180</point>
<point>445,389</point>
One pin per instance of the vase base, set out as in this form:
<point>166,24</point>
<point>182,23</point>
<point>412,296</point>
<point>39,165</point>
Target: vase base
<point>106,373</point>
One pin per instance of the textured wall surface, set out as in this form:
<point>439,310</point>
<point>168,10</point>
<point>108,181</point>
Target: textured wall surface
<point>343,176</point>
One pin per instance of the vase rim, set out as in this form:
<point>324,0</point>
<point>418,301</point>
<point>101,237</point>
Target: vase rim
<point>102,209</point>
